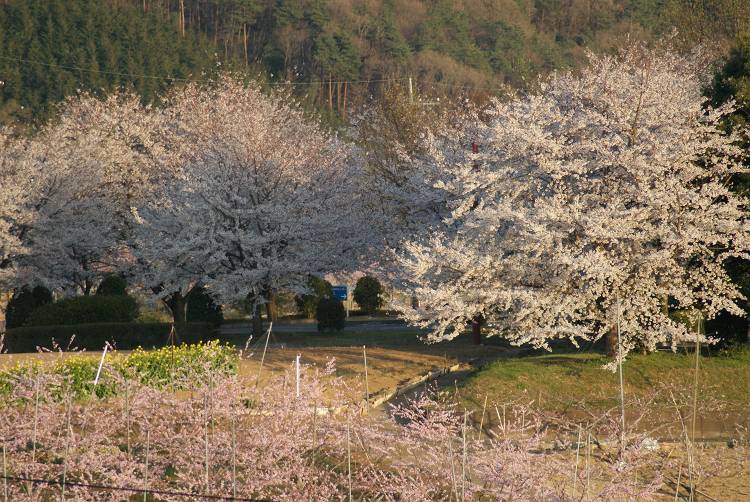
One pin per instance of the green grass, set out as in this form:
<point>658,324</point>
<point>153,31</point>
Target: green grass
<point>562,379</point>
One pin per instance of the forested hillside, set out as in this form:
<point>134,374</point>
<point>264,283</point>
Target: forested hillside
<point>334,52</point>
<point>49,49</point>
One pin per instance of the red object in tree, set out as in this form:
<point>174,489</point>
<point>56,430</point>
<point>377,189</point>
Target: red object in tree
<point>475,149</point>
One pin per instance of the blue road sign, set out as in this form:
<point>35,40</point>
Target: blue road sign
<point>340,292</point>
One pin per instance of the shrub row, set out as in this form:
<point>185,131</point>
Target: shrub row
<point>85,310</point>
<point>179,367</point>
<point>121,335</point>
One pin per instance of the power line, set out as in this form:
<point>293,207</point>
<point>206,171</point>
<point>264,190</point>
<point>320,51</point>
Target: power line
<point>166,77</point>
<point>129,489</point>
<point>287,83</point>
<point>91,70</point>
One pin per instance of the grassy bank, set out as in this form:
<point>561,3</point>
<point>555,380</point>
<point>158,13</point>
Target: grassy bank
<point>560,381</point>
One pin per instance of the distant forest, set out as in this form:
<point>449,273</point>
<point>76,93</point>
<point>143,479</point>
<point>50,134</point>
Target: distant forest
<point>333,53</point>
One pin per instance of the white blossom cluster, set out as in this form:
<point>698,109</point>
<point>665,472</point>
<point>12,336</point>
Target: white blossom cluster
<point>599,198</point>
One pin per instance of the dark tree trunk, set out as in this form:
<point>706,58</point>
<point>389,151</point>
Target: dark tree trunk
<point>271,307</point>
<point>476,331</point>
<point>257,322</point>
<point>610,342</point>
<point>178,306</point>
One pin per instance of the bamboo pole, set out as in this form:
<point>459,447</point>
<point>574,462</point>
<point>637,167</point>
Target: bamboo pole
<point>263,357</point>
<point>67,444</point>
<point>367,385</point>
<point>575,470</point>
<point>481,421</point>
<point>5,474</point>
<point>36,418</point>
<point>145,474</point>
<point>296,366</point>
<point>622,385</point>
<point>349,457</point>
<point>234,452</point>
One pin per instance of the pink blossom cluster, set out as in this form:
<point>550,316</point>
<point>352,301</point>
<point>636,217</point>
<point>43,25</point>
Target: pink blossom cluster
<point>230,438</point>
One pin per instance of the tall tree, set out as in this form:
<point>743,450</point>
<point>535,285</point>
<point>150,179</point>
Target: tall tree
<point>264,198</point>
<point>588,205</point>
<point>85,170</point>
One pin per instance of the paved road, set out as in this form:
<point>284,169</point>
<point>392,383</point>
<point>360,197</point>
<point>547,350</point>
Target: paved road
<point>307,326</point>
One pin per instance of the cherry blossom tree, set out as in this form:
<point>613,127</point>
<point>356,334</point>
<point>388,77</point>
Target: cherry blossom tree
<point>405,144</point>
<point>263,198</point>
<point>14,192</point>
<point>89,166</point>
<point>590,204</point>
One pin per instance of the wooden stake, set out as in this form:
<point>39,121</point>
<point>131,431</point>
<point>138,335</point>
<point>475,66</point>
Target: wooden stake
<point>367,385</point>
<point>463,460</point>
<point>481,422</point>
<point>234,452</point>
<point>296,365</point>
<point>588,471</point>
<point>67,445</point>
<point>453,467</point>
<point>145,474</point>
<point>205,442</point>
<point>263,357</point>
<point>349,457</point>
<point>695,403</point>
<point>622,387</point>
<point>36,418</point>
<point>575,471</point>
<point>5,474</point>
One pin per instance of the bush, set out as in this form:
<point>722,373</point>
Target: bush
<point>201,307</point>
<point>367,294</point>
<point>85,310</point>
<point>330,314</point>
<point>123,336</point>
<point>112,285</point>
<point>23,303</point>
<point>317,289</point>
<point>729,329</point>
<point>183,364</point>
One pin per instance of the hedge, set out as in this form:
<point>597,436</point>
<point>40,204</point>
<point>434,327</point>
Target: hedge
<point>85,310</point>
<point>23,302</point>
<point>121,335</point>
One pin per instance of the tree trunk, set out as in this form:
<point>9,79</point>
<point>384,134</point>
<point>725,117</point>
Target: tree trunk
<point>346,87</point>
<point>330,94</point>
<point>610,341</point>
<point>244,41</point>
<point>182,17</point>
<point>338,96</point>
<point>271,307</point>
<point>178,306</point>
<point>476,331</point>
<point>257,322</point>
